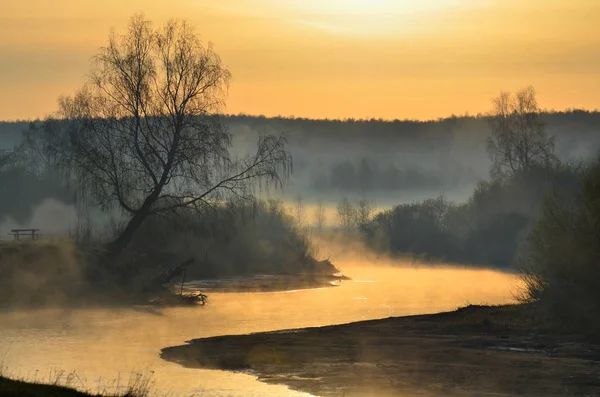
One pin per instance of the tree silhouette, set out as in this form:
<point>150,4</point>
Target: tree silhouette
<point>519,141</point>
<point>320,216</point>
<point>346,215</point>
<point>144,133</point>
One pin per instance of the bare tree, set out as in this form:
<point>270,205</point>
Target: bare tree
<point>519,141</point>
<point>143,134</point>
<point>346,214</point>
<point>363,211</point>
<point>320,216</point>
<point>299,213</point>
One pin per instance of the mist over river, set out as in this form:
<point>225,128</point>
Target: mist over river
<point>101,345</point>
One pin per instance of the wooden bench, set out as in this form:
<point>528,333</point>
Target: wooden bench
<point>33,234</point>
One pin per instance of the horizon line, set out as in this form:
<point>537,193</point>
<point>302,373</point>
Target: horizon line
<point>360,119</point>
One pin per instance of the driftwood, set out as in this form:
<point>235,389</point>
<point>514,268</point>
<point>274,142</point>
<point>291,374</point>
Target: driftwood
<point>170,274</point>
<point>158,284</point>
<point>194,298</point>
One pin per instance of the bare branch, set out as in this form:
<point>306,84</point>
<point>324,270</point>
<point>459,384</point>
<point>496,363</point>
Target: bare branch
<point>519,141</point>
<point>144,134</point>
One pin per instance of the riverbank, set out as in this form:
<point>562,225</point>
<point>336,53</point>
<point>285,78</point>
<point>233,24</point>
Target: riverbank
<point>15,388</point>
<point>267,283</point>
<point>499,350</point>
<point>38,274</point>
<point>140,387</point>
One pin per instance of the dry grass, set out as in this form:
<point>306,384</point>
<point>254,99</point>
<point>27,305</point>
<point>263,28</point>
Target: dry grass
<point>69,384</point>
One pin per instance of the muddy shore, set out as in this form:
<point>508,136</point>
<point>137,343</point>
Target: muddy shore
<point>267,283</point>
<point>475,350</point>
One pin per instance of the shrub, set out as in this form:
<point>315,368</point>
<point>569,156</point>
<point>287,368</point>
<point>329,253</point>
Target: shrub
<point>486,230</point>
<point>228,239</point>
<point>560,261</point>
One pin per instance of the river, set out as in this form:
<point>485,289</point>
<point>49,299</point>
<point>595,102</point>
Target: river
<point>100,346</point>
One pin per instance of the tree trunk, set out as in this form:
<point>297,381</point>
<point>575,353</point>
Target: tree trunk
<point>116,247</point>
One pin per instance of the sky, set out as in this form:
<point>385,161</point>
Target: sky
<point>391,59</point>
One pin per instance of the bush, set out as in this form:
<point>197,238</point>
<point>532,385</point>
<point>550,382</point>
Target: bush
<point>486,230</point>
<point>233,238</point>
<point>560,261</point>
<point>417,228</point>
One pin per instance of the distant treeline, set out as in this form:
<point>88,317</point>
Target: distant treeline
<point>370,131</point>
<point>334,157</point>
<point>568,126</point>
<point>11,133</point>
<point>338,157</point>
<point>22,188</point>
<point>367,174</point>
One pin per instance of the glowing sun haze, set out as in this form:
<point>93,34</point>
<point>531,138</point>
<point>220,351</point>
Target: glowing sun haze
<point>326,58</point>
<point>370,6</point>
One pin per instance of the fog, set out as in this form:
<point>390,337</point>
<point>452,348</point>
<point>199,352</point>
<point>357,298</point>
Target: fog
<point>401,161</point>
<point>96,319</point>
<point>54,217</point>
<point>102,345</point>
<point>389,162</point>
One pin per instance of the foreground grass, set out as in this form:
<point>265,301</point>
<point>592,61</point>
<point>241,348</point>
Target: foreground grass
<point>139,386</point>
<point>17,388</point>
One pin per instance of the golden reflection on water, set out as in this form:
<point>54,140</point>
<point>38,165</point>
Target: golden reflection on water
<point>101,345</point>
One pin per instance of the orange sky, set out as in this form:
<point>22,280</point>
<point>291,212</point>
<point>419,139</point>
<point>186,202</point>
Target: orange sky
<point>327,58</point>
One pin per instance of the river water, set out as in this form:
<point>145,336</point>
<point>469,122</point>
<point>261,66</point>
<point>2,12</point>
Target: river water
<point>101,346</point>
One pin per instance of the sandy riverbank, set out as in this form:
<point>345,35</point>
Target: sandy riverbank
<point>472,351</point>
